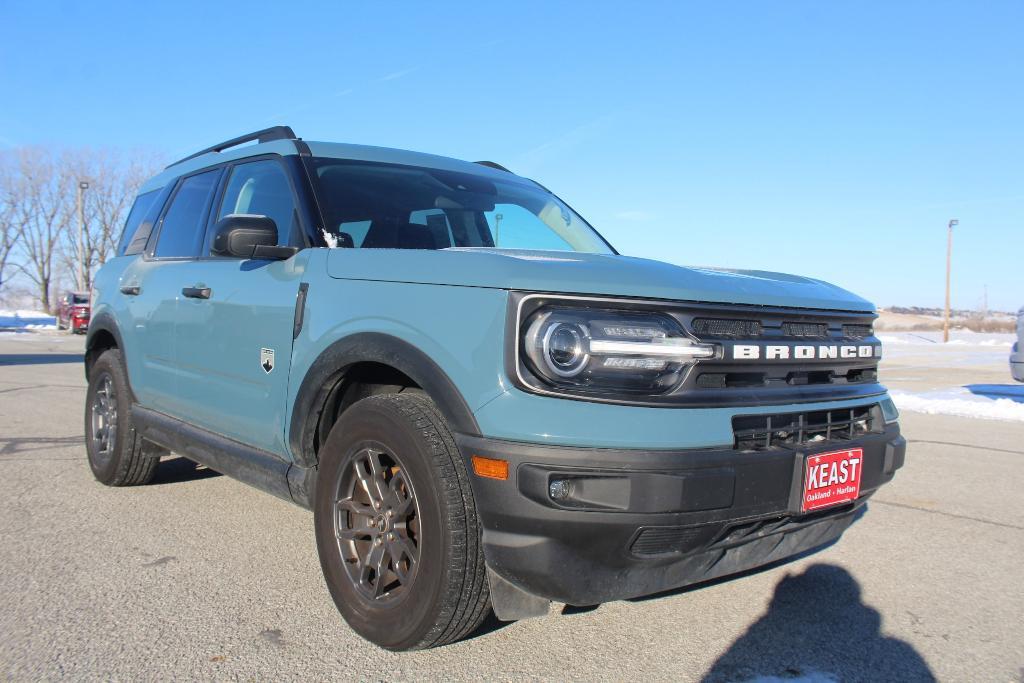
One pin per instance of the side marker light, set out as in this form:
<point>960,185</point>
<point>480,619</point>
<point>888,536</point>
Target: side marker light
<point>490,468</point>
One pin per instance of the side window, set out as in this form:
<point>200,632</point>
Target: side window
<point>136,244</point>
<point>183,227</point>
<point>139,210</point>
<point>262,188</point>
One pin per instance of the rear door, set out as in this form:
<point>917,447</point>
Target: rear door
<point>151,289</point>
<point>234,346</point>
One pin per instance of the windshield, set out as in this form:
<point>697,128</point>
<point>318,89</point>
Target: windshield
<point>80,298</point>
<point>385,206</point>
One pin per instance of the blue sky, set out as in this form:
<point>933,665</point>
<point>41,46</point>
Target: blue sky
<point>827,139</point>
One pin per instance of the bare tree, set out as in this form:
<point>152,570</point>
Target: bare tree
<point>41,190</point>
<point>39,223</point>
<point>12,224</point>
<point>114,179</point>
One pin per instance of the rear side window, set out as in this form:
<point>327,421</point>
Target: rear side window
<point>140,208</point>
<point>181,233</point>
<point>136,244</point>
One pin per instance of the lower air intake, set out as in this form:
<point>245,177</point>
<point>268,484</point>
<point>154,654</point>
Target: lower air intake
<point>794,430</point>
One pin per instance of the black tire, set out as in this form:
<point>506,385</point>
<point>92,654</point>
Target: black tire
<point>121,458</point>
<point>434,540</point>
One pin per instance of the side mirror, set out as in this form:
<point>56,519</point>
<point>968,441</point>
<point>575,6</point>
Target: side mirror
<point>248,236</point>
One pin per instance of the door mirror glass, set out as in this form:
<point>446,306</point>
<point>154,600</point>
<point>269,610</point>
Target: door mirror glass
<point>244,236</point>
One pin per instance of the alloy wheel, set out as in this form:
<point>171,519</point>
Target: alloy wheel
<point>376,523</point>
<point>103,416</point>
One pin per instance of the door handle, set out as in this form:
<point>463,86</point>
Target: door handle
<point>130,290</point>
<point>197,292</point>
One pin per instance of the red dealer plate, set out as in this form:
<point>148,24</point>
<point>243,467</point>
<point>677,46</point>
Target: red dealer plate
<point>832,478</point>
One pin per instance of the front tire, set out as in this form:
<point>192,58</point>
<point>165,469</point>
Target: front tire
<point>396,525</point>
<point>118,456</point>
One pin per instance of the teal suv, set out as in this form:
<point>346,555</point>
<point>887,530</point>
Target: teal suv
<point>484,404</point>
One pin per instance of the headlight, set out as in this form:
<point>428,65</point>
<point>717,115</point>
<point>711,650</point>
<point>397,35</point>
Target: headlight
<point>595,351</point>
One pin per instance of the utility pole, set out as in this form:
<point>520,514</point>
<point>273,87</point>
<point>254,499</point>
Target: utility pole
<point>82,187</point>
<point>497,228</point>
<point>949,263</point>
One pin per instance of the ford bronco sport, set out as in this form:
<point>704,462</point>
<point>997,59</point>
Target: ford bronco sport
<point>483,403</point>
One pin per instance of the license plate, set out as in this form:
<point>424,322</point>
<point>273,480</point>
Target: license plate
<point>832,478</point>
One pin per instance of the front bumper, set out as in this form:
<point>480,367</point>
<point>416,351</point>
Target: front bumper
<point>639,522</point>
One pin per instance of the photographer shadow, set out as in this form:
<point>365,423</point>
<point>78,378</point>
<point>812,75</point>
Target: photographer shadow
<point>818,628</point>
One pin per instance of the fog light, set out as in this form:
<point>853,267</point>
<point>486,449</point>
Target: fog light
<point>559,489</point>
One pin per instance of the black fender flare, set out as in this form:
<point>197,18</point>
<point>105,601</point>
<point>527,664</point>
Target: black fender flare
<point>104,322</point>
<point>373,347</point>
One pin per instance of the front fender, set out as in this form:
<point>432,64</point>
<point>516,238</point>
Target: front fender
<point>100,325</point>
<point>376,348</point>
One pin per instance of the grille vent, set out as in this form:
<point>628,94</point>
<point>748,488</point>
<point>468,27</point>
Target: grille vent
<point>857,331</point>
<point>805,329</point>
<point>714,327</point>
<point>670,539</point>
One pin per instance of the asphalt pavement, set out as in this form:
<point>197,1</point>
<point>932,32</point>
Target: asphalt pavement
<point>200,577</point>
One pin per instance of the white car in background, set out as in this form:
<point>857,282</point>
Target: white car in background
<point>1017,354</point>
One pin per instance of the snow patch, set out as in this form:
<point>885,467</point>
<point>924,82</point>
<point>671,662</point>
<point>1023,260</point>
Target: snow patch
<point>27,320</point>
<point>957,338</point>
<point>960,403</point>
<point>893,339</point>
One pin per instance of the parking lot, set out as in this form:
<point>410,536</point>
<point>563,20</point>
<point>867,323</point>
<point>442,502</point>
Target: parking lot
<point>198,576</point>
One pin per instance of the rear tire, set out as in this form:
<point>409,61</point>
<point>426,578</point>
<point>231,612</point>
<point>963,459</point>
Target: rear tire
<point>118,456</point>
<point>396,525</point>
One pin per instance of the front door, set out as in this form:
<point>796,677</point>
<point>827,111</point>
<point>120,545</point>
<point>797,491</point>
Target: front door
<point>234,333</point>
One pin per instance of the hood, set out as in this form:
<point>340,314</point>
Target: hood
<point>577,273</point>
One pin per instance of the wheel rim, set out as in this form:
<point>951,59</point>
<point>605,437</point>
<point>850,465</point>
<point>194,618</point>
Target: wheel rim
<point>376,523</point>
<point>103,417</point>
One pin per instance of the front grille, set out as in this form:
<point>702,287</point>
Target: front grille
<point>793,430</point>
<point>805,329</point>
<point>777,355</point>
<point>727,329</point>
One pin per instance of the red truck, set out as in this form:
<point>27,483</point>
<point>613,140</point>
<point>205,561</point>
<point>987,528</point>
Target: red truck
<point>73,312</point>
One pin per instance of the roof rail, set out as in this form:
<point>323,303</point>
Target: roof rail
<point>491,164</point>
<point>265,135</point>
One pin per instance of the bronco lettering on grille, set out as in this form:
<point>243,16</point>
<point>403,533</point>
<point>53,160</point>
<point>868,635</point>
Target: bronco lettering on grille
<point>804,351</point>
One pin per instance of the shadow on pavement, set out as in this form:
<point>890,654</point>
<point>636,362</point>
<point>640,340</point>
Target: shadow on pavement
<point>1014,392</point>
<point>177,470</point>
<point>21,445</point>
<point>39,358</point>
<point>817,627</point>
